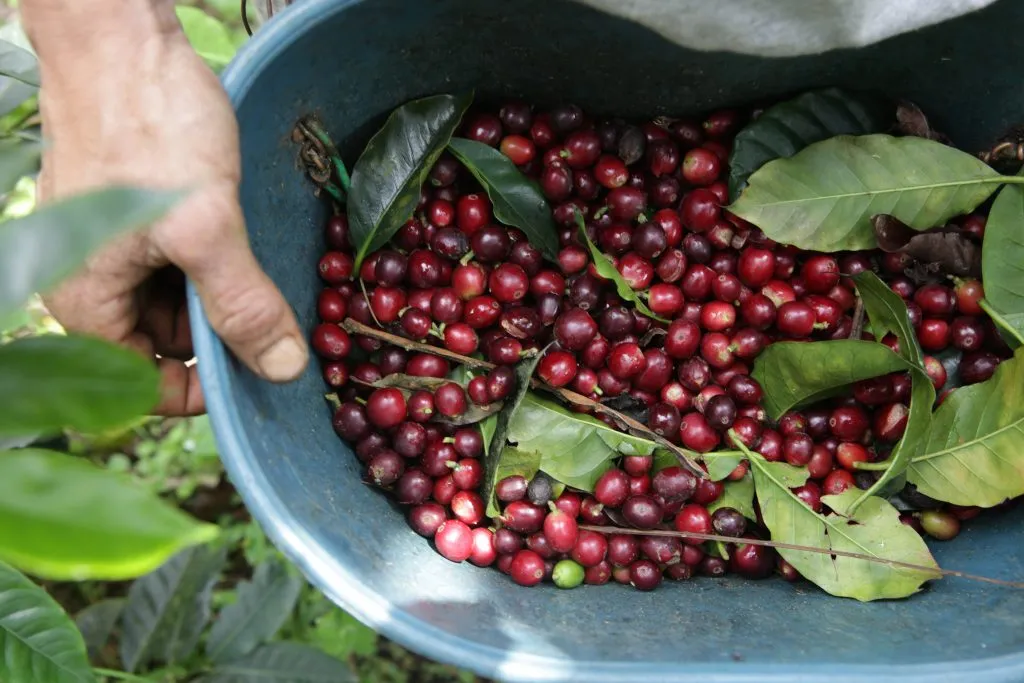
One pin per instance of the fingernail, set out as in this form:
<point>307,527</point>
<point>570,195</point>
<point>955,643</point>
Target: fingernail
<point>283,361</point>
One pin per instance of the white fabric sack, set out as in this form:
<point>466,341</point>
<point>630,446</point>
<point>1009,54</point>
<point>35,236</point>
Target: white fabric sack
<point>783,28</point>
<point>770,28</point>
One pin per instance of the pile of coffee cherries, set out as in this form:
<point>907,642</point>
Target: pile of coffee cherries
<point>453,277</point>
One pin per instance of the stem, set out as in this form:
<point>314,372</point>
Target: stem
<point>1012,179</point>
<point>686,458</point>
<point>335,192</point>
<point>332,151</point>
<point>355,327</point>
<point>121,675</point>
<point>872,466</point>
<point>792,546</point>
<point>858,320</point>
<point>999,320</point>
<point>369,304</point>
<point>333,400</point>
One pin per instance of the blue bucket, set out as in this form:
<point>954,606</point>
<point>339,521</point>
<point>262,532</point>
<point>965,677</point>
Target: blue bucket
<point>352,62</point>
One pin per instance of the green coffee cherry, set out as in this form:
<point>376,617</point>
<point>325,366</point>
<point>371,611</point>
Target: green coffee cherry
<point>940,524</point>
<point>567,574</point>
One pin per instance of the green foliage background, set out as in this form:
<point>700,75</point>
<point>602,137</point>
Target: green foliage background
<point>176,460</point>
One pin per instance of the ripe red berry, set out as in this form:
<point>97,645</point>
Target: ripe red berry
<point>472,211</point>
<point>527,568</point>
<point>336,267</point>
<point>701,166</point>
<point>934,334</point>
<point>820,273</point>
<point>717,316</point>
<point>848,454</point>
<point>557,368</point>
<point>695,519</point>
<point>682,339</point>
<point>508,283</point>
<point>968,294</point>
<point>626,360</point>
<point>756,267</point>
<point>936,371</point>
<point>450,399</point>
<point>795,319</point>
<point>611,172</point>
<point>460,338</point>
<point>561,531</point>
<point>700,210</point>
<point>385,407</point>
<point>837,481</point>
<point>331,342</point>
<point>520,150</point>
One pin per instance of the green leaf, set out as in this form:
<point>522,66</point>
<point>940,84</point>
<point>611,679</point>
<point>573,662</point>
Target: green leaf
<point>208,36</point>
<point>575,449</point>
<point>877,532</point>
<point>517,199</point>
<point>719,464</point>
<point>499,439</point>
<point>888,314</point>
<point>29,259</point>
<point>738,495</point>
<point>58,513</point>
<point>283,662</point>
<point>794,374</point>
<point>1002,260</point>
<point>96,623</point>
<point>263,606</point>
<point>387,178</point>
<point>341,635</point>
<point>18,157</point>
<point>786,128</point>
<point>823,197</point>
<point>972,455</point>
<point>168,609</point>
<point>38,641</point>
<point>487,428</point>
<point>606,269</point>
<point>18,64</point>
<point>53,382</point>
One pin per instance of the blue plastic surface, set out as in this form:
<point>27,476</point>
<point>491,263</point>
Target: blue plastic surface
<point>352,62</point>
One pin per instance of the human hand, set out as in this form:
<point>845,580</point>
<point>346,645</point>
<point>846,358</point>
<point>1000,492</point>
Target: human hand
<point>158,117</point>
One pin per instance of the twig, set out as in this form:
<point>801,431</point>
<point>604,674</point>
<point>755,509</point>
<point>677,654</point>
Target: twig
<point>857,328</point>
<point>803,548</point>
<point>635,428</point>
<point>356,327</point>
<point>311,128</point>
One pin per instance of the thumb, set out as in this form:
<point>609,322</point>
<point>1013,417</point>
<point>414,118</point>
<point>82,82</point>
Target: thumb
<point>207,240</point>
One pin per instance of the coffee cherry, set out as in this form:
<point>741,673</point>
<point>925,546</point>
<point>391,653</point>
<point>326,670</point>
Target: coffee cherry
<point>848,423</point>
<point>700,210</point>
<point>642,511</point>
<point>939,524</point>
<point>527,568</point>
<point>450,399</point>
<point>848,454</point>
<point>626,360</point>
<point>795,319</point>
<point>557,368</point>
<point>756,267</point>
<point>978,367</point>
<point>820,273</point>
